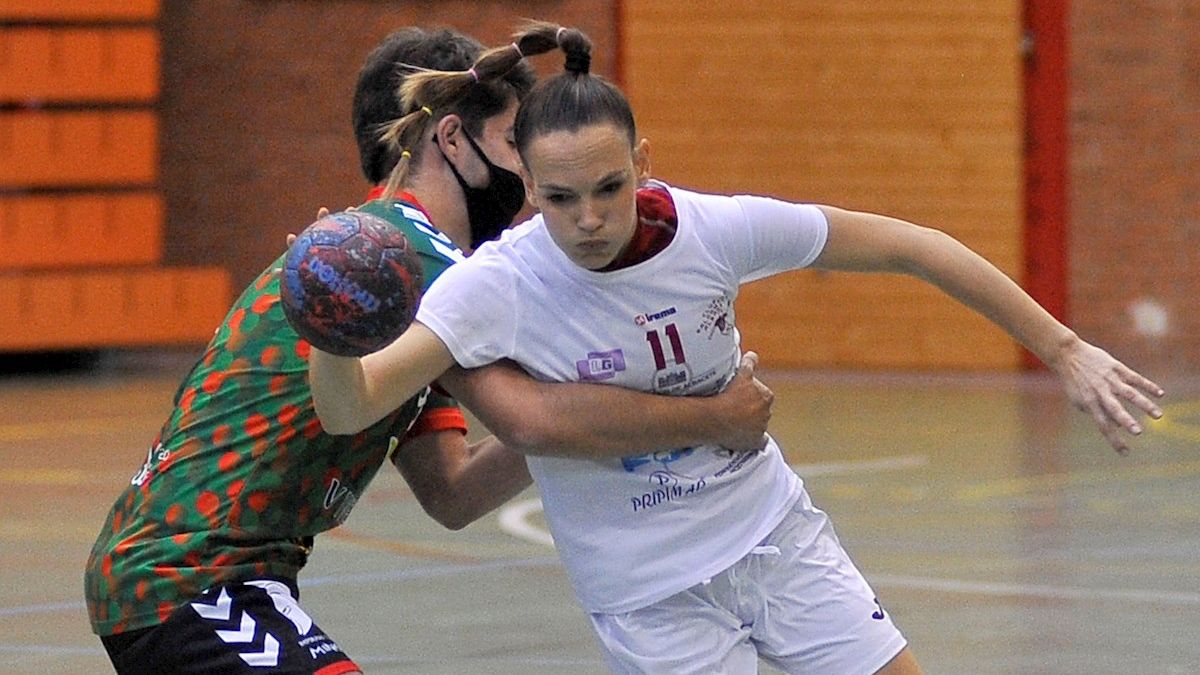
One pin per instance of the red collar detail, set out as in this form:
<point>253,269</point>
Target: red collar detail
<point>657,222</point>
<point>379,191</point>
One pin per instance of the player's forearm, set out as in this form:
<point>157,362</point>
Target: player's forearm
<point>582,420</point>
<point>457,484</point>
<point>351,394</point>
<point>339,392</point>
<point>868,242</point>
<point>491,476</point>
<point>980,285</point>
<point>607,421</point>
<point>598,421</point>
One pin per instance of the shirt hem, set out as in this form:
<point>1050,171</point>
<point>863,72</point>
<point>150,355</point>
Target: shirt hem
<point>709,571</point>
<point>155,618</point>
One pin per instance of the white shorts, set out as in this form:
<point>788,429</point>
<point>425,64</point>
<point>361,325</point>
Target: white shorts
<point>796,601</point>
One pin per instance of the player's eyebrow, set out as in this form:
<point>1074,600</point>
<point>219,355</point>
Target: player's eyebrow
<point>619,173</point>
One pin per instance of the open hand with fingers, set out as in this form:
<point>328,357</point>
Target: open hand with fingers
<point>1102,386</point>
<point>746,408</point>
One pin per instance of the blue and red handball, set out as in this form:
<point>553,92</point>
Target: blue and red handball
<point>351,283</point>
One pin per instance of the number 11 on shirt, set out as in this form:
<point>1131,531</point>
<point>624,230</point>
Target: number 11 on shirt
<point>660,360</point>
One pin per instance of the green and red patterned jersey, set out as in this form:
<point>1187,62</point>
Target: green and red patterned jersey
<point>241,476</point>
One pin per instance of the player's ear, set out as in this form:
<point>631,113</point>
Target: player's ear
<point>445,134</point>
<point>530,193</point>
<point>641,160</point>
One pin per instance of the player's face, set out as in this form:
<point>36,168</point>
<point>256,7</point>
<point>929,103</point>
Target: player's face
<point>498,144</point>
<point>585,183</point>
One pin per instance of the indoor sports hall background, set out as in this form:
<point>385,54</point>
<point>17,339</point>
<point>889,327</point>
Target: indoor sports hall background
<point>153,154</point>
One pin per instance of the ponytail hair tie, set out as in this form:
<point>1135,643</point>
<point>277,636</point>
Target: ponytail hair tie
<point>578,62</point>
<point>425,109</point>
<point>406,155</point>
<point>474,74</point>
<point>518,48</point>
<point>558,35</point>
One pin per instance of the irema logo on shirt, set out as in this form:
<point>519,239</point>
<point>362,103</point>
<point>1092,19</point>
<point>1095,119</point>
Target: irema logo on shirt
<point>651,317</point>
<point>600,365</point>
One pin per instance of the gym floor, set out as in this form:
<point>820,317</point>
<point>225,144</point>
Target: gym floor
<point>998,528</point>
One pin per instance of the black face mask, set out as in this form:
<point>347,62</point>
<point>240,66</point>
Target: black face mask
<point>489,209</point>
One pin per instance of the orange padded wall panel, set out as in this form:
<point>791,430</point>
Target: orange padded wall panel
<point>40,232</point>
<point>111,308</point>
<point>81,216</point>
<point>79,64</point>
<point>79,10</point>
<point>61,149</point>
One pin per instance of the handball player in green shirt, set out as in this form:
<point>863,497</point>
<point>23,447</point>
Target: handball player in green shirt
<point>195,569</point>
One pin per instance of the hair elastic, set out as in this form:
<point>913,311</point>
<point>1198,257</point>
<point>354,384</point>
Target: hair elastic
<point>405,155</point>
<point>558,35</point>
<point>474,74</point>
<point>518,48</point>
<point>578,62</point>
<point>425,109</point>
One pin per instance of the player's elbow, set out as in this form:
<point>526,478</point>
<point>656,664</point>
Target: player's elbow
<point>923,250</point>
<point>531,435</point>
<point>336,424</point>
<point>454,520</point>
<point>449,512</point>
<point>441,498</point>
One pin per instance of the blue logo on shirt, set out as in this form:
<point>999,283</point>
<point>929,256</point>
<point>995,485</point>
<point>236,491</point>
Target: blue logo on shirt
<point>663,457</point>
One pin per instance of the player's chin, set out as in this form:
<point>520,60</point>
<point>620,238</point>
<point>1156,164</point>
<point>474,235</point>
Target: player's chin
<point>592,258</point>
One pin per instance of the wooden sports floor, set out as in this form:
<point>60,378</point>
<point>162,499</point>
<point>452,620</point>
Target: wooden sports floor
<point>997,527</point>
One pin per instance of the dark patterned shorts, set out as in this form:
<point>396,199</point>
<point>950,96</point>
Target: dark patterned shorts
<point>236,628</point>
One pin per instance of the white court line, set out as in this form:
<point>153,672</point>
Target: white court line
<point>997,589</point>
<point>51,650</point>
<point>1036,591</point>
<point>429,572</point>
<point>882,580</point>
<point>513,516</point>
<point>514,521</point>
<point>47,608</point>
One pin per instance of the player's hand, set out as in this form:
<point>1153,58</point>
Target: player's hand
<point>1102,386</point>
<point>746,407</point>
<point>321,213</point>
<point>291,237</point>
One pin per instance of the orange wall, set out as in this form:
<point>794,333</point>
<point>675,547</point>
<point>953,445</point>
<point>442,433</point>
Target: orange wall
<point>910,109</point>
<point>81,213</point>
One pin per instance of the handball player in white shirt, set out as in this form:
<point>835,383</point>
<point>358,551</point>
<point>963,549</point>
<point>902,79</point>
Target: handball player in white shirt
<point>696,560</point>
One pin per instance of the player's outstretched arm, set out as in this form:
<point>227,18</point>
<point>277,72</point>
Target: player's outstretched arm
<point>597,421</point>
<point>1095,381</point>
<point>352,393</point>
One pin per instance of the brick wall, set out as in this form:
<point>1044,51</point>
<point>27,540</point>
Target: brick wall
<point>255,135</point>
<point>909,109</point>
<point>256,109</point>
<point>1135,182</point>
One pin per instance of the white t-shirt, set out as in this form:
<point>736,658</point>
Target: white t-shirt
<point>633,531</point>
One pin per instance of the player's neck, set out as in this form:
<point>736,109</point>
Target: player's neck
<point>444,203</point>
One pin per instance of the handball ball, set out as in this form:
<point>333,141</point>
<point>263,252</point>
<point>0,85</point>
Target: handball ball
<point>351,283</point>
